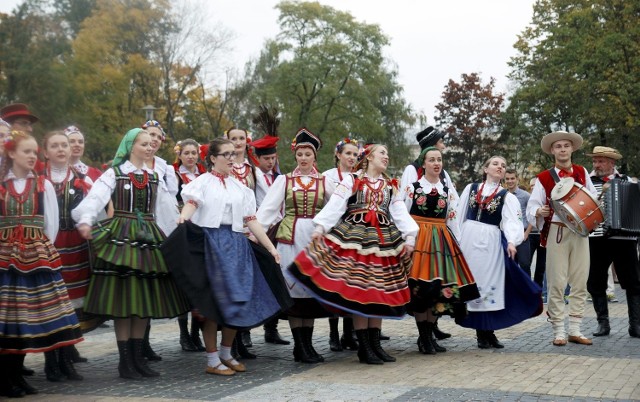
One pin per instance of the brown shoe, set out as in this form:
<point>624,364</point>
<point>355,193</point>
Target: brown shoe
<point>580,339</point>
<point>220,369</point>
<point>238,367</point>
<point>559,342</point>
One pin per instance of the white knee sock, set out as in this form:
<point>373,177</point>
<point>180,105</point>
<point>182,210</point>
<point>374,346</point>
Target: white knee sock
<point>574,326</point>
<point>558,330</point>
<point>225,354</point>
<point>213,360</point>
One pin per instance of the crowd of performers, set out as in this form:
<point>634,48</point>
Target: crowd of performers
<point>224,235</point>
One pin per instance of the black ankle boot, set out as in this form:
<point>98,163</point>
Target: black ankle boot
<point>348,340</point>
<point>147,351</point>
<point>139,362</point>
<point>195,335</point>
<point>8,368</point>
<point>51,366</point>
<point>374,340</point>
<point>438,333</point>
<point>365,352</point>
<point>75,355</point>
<point>16,375</point>
<point>242,350</point>
<point>308,334</point>
<point>66,365</point>
<point>271,334</point>
<point>434,342</point>
<point>424,341</point>
<point>185,339</point>
<point>483,343</point>
<point>301,351</point>
<point>601,307</point>
<point>493,340</point>
<point>125,366</point>
<point>334,336</point>
<point>633,304</point>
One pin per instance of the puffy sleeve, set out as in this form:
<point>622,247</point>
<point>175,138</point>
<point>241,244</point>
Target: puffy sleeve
<point>271,206</point>
<point>452,212</point>
<point>537,200</point>
<point>512,220</point>
<point>329,188</point>
<point>409,176</point>
<point>167,211</point>
<point>193,192</point>
<point>249,204</point>
<point>171,180</point>
<point>406,195</point>
<point>463,203</point>
<point>447,178</point>
<point>99,195</point>
<point>331,213</point>
<point>403,221</point>
<point>51,212</point>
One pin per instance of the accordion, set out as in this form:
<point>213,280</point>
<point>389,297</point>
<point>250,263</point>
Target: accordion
<point>622,208</point>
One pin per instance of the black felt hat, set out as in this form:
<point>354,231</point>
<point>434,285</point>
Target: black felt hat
<point>429,136</point>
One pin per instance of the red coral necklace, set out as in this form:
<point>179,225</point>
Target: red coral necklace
<point>484,202</point>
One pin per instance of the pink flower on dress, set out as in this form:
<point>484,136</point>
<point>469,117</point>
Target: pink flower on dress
<point>452,214</point>
<point>447,293</point>
<point>421,200</point>
<point>441,203</point>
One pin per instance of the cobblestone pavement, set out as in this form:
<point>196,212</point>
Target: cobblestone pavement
<point>529,368</point>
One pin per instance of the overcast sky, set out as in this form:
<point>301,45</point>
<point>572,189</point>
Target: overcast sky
<point>431,41</point>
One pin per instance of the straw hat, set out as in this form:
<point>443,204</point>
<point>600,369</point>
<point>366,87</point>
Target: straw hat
<point>606,152</point>
<point>549,139</point>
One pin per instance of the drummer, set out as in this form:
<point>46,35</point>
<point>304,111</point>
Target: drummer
<point>621,250</point>
<point>567,252</point>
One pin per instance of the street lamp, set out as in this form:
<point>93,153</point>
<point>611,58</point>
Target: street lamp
<point>148,112</point>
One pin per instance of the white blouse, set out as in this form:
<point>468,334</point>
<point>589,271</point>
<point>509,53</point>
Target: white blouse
<point>272,208</point>
<point>59,175</point>
<point>220,204</point>
<point>51,213</point>
<point>511,223</point>
<point>264,181</point>
<point>452,201</point>
<point>337,206</point>
<point>100,194</point>
<point>167,174</point>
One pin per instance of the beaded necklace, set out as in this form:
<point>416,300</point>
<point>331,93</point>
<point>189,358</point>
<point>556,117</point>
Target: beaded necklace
<point>140,185</point>
<point>484,201</point>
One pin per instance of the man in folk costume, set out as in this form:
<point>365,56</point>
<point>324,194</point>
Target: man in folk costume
<point>264,153</point>
<point>567,252</point>
<point>621,250</point>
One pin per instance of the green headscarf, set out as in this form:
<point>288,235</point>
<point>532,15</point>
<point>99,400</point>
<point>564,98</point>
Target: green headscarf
<point>424,152</point>
<point>124,150</point>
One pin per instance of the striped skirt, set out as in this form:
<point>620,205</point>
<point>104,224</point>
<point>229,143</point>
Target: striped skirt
<point>440,278</point>
<point>35,312</point>
<point>357,268</point>
<point>74,255</point>
<point>130,277</point>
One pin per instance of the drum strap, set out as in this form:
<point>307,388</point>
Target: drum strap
<point>554,175</point>
<point>544,233</point>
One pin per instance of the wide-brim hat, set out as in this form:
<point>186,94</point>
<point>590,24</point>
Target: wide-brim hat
<point>305,138</point>
<point>606,152</point>
<point>15,110</point>
<point>429,136</point>
<point>549,139</point>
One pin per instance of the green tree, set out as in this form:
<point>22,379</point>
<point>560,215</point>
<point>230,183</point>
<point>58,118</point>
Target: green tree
<point>470,114</point>
<point>577,68</point>
<point>326,71</point>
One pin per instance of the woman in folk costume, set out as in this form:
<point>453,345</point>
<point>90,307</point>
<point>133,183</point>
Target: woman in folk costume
<point>188,167</point>
<point>237,294</point>
<point>71,186</point>
<point>346,156</point>
<point>301,194</point>
<point>36,314</point>
<point>490,223</point>
<point>361,253</point>
<point>77,143</point>
<point>130,281</point>
<point>167,197</point>
<point>440,279</point>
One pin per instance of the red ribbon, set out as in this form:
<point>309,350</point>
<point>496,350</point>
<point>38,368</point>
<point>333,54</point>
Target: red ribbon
<point>81,184</point>
<point>372,218</point>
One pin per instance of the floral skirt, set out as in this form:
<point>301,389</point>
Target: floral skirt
<point>440,278</point>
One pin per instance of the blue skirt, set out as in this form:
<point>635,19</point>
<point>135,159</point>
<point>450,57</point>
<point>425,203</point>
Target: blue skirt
<point>240,290</point>
<point>522,298</point>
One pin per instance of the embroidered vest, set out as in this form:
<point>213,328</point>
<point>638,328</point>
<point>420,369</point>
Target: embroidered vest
<point>300,203</point>
<point>429,205</point>
<point>492,213</point>
<point>127,198</point>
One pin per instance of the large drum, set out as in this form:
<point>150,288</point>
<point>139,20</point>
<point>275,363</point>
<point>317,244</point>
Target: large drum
<point>576,206</point>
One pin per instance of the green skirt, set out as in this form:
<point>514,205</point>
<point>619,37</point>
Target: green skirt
<point>129,275</point>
